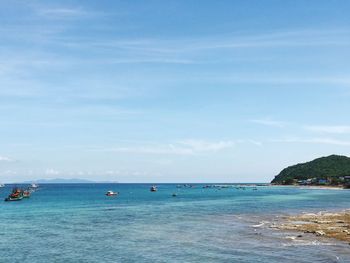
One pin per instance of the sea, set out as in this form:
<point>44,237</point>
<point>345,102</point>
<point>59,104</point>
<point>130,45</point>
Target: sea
<point>79,223</point>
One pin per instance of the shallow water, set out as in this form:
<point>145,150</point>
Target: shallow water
<point>78,223</point>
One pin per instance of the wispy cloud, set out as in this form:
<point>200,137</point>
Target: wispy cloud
<point>8,172</point>
<point>296,79</point>
<point>183,147</point>
<point>270,122</point>
<point>279,39</point>
<point>218,42</point>
<point>6,159</point>
<point>336,129</point>
<point>330,141</point>
<point>204,146</point>
<point>157,149</point>
<point>250,141</point>
<point>186,147</point>
<point>51,171</point>
<point>62,12</point>
<point>183,50</point>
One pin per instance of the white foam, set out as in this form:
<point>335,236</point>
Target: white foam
<point>300,242</point>
<point>259,225</point>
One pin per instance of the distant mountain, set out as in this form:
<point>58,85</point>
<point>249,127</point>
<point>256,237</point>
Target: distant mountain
<point>65,181</point>
<point>332,166</point>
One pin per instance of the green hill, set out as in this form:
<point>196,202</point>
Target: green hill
<point>333,167</point>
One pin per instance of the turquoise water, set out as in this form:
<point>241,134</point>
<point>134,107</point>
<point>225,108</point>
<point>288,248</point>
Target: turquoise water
<point>78,223</point>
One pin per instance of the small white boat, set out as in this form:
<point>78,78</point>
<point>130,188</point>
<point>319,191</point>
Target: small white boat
<point>111,193</point>
<point>153,188</point>
<point>2,185</point>
<point>34,185</point>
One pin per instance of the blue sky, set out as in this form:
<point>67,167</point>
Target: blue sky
<point>171,91</point>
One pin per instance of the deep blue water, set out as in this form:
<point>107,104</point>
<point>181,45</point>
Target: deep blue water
<point>78,223</point>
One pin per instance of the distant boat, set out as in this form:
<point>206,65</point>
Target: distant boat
<point>174,195</point>
<point>34,185</point>
<point>16,195</point>
<point>111,193</point>
<point>153,188</point>
<point>2,185</point>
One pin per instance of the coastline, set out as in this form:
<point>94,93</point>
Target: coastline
<point>324,187</point>
<point>311,187</point>
<point>334,225</point>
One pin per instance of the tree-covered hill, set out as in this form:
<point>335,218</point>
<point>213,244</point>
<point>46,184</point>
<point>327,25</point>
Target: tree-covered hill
<point>333,166</point>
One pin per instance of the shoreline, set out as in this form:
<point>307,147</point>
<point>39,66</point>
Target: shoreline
<point>313,187</point>
<point>317,187</point>
<point>334,225</point>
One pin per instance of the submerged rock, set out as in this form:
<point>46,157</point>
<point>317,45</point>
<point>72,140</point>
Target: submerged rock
<point>325,224</point>
<point>320,233</point>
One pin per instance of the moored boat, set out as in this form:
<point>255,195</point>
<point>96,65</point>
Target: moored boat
<point>111,193</point>
<point>16,195</point>
<point>34,186</point>
<point>153,188</point>
<point>26,193</point>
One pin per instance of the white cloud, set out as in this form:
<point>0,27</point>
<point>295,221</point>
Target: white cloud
<point>51,171</point>
<point>9,172</point>
<point>205,44</point>
<point>63,12</point>
<point>295,79</point>
<point>5,159</point>
<point>337,129</point>
<point>203,146</point>
<point>330,141</point>
<point>156,149</point>
<point>254,142</point>
<point>184,147</point>
<point>112,172</point>
<point>270,122</point>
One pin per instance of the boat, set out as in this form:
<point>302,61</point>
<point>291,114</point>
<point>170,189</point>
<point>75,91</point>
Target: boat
<point>153,188</point>
<point>34,186</point>
<point>2,185</point>
<point>26,193</point>
<point>174,195</point>
<point>111,193</point>
<point>16,195</point>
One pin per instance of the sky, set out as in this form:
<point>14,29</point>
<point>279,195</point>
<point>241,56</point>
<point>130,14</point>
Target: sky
<point>171,91</point>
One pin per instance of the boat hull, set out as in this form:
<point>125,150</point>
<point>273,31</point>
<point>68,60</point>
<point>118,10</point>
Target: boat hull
<point>8,199</point>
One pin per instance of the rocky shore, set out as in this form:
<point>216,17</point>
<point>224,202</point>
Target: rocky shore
<point>332,225</point>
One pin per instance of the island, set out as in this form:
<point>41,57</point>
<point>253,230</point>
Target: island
<point>333,170</point>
